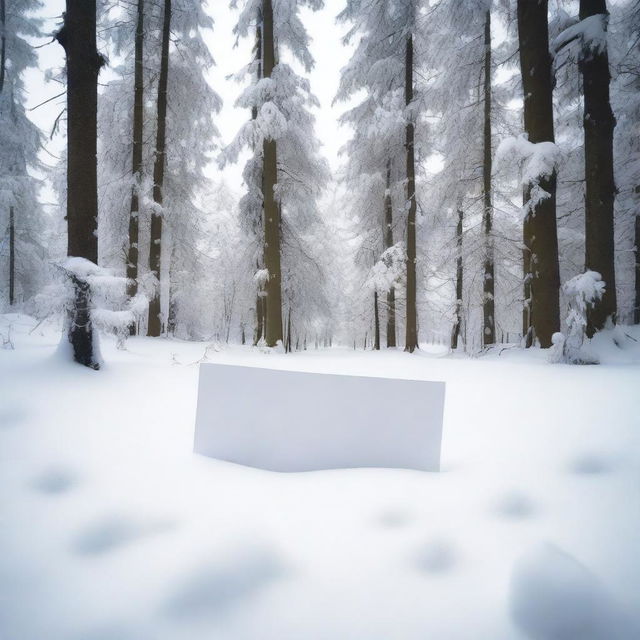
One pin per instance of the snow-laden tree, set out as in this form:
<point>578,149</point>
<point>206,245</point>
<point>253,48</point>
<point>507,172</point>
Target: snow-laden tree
<point>387,145</point>
<point>285,173</point>
<point>190,139</point>
<point>21,219</point>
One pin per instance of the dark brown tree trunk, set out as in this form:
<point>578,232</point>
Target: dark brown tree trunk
<point>411,337</point>
<point>376,322</point>
<point>136,168</point>
<point>388,242</point>
<point>599,123</point>
<point>12,257</point>
<point>488,301</point>
<point>540,228</point>
<point>271,206</point>
<point>457,325</point>
<point>78,38</point>
<point>154,326</point>
<point>288,349</point>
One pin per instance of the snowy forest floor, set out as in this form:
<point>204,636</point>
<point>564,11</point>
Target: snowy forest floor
<point>112,529</point>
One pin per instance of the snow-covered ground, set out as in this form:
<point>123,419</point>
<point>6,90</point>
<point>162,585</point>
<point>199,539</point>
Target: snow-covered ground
<point>112,529</point>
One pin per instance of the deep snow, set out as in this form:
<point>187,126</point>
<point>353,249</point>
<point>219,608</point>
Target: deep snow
<point>111,528</point>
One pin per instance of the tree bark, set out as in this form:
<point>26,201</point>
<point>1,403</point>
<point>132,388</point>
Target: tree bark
<point>154,325</point>
<point>388,243</point>
<point>411,336</point>
<point>78,38</point>
<point>376,322</point>
<point>3,42</point>
<point>540,227</point>
<point>12,257</point>
<point>488,300</point>
<point>271,206</point>
<point>136,168</point>
<point>455,335</point>
<point>599,123</point>
<point>636,305</point>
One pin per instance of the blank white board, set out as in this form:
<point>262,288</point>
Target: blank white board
<point>297,421</point>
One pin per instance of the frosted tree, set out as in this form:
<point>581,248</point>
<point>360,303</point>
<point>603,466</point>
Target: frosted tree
<point>78,38</point>
<point>540,236</point>
<point>625,97</point>
<point>21,219</point>
<point>382,152</point>
<point>285,174</point>
<point>128,159</point>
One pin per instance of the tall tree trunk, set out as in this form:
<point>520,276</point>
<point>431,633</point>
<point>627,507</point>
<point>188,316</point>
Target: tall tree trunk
<point>376,322</point>
<point>271,206</point>
<point>78,38</point>
<point>488,300</point>
<point>154,326</point>
<point>636,302</point>
<point>12,257</point>
<point>599,123</point>
<point>260,297</point>
<point>411,337</point>
<point>540,228</point>
<point>136,168</point>
<point>388,242</point>
<point>3,42</point>
<point>455,336</point>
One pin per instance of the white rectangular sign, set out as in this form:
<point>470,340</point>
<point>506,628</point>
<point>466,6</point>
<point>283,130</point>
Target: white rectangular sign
<point>296,421</point>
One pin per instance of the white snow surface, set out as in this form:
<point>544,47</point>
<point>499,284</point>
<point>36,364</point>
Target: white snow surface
<point>112,529</point>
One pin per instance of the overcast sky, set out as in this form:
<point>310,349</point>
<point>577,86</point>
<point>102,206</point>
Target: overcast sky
<point>326,47</point>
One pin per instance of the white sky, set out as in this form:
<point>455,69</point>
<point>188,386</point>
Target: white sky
<point>326,47</point>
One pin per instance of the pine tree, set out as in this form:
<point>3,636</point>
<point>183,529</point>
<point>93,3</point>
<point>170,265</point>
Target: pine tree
<point>541,268</point>
<point>20,140</point>
<point>599,124</point>
<point>78,38</point>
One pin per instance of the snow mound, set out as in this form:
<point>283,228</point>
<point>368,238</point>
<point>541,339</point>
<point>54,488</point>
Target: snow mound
<point>555,597</point>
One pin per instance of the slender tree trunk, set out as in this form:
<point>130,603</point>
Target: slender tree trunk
<point>3,42</point>
<point>260,297</point>
<point>78,38</point>
<point>636,305</point>
<point>136,168</point>
<point>455,336</point>
<point>540,228</point>
<point>411,338</point>
<point>289,331</point>
<point>488,301</point>
<point>154,326</point>
<point>12,257</point>
<point>376,322</point>
<point>388,242</point>
<point>527,235</point>
<point>271,206</point>
<point>599,123</point>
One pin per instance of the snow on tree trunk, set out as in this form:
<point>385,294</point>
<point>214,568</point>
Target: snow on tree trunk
<point>540,227</point>
<point>137,168</point>
<point>488,299</point>
<point>154,325</point>
<point>584,292</point>
<point>78,38</point>
<point>457,325</point>
<point>599,124</point>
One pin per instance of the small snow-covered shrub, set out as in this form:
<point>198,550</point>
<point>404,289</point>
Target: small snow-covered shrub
<point>583,291</point>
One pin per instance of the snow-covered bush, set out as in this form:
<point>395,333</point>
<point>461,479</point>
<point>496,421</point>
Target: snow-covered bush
<point>582,292</point>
